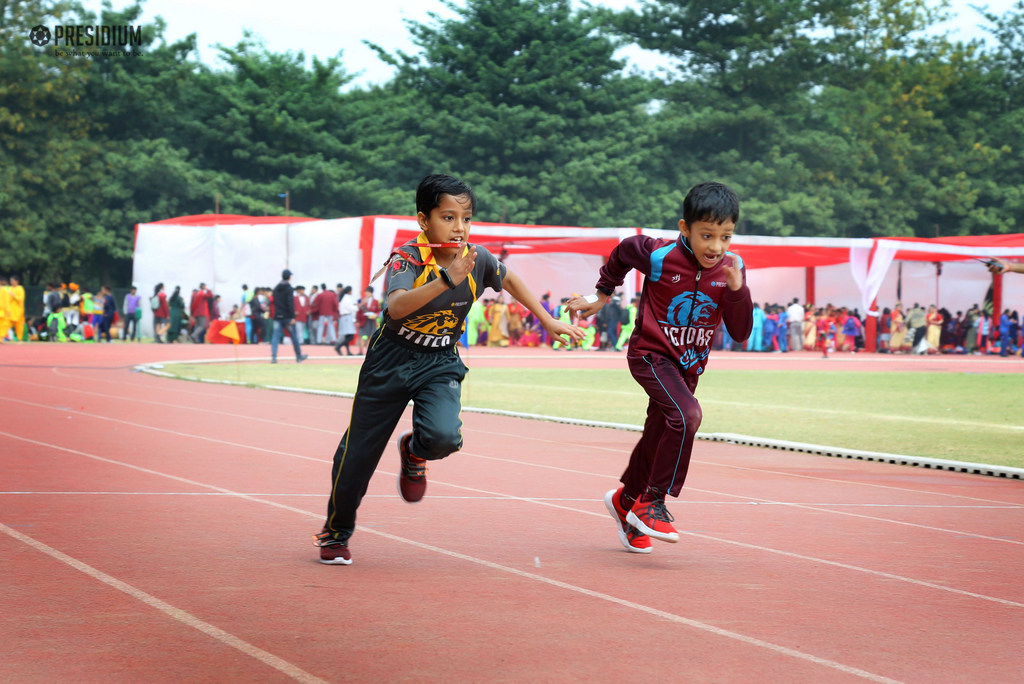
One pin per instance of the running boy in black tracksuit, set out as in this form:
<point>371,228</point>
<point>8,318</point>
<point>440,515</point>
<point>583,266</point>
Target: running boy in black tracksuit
<point>692,284</point>
<point>413,356</point>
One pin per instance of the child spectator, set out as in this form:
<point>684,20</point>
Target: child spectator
<point>692,284</point>
<point>851,331</point>
<point>769,328</point>
<point>826,332</point>
<point>414,356</point>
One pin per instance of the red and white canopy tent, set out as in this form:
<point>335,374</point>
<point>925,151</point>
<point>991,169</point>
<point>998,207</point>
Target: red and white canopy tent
<point>226,251</point>
<point>870,261</point>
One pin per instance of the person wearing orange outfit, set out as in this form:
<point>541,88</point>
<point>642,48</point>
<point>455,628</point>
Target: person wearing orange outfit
<point>16,308</point>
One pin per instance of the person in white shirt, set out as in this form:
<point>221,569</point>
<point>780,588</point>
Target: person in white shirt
<point>795,322</point>
<point>347,308</point>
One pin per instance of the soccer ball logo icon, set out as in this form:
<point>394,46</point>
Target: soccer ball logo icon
<point>40,35</point>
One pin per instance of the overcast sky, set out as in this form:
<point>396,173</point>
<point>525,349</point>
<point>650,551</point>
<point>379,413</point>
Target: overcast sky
<point>323,27</point>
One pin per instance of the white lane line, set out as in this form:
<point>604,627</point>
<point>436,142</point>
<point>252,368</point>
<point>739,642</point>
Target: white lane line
<point>519,436</point>
<point>874,518</point>
<point>177,388</point>
<point>958,533</point>
<point>160,404</point>
<point>590,500</point>
<point>549,504</point>
<point>176,433</point>
<point>671,617</point>
<point>178,614</point>
<point>221,635</point>
<point>750,500</point>
<point>628,445</point>
<point>788,554</point>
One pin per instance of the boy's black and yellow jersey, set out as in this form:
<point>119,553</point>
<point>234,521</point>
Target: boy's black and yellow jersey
<point>437,325</point>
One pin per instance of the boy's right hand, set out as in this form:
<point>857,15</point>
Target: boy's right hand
<point>579,307</point>
<point>462,266</point>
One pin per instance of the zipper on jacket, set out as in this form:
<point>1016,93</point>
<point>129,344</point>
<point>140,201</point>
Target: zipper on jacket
<point>693,299</point>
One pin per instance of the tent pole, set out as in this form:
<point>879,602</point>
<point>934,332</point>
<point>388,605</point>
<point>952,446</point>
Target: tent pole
<point>871,328</point>
<point>997,301</point>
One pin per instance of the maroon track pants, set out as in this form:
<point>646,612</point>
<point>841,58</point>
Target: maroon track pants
<point>661,458</point>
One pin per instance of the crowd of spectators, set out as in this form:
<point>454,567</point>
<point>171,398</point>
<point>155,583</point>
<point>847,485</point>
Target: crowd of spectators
<point>916,330</point>
<point>323,316</point>
<point>335,317</point>
<point>65,312</point>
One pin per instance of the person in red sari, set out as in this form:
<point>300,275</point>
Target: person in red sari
<point>826,332</point>
<point>367,316</point>
<point>161,313</point>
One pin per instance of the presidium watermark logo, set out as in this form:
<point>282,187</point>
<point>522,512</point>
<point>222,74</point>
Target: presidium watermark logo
<point>89,41</point>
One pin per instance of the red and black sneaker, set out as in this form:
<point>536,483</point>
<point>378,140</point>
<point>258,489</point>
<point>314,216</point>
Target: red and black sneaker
<point>633,539</point>
<point>650,516</point>
<point>332,551</point>
<point>412,475</point>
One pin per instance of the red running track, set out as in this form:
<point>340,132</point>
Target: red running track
<point>160,530</point>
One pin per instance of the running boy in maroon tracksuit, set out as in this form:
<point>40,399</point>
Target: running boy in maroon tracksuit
<point>693,283</point>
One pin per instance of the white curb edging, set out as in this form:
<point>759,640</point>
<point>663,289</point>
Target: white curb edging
<point>729,438</point>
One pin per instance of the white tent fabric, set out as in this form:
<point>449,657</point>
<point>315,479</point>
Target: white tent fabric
<point>869,271</point>
<point>560,273</point>
<point>227,251</point>
<point>227,256</point>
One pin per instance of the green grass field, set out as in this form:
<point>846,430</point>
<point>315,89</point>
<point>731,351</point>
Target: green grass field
<point>961,417</point>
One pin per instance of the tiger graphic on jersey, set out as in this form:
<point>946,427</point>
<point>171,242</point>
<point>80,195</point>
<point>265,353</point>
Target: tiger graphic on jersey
<point>434,323</point>
<point>434,329</point>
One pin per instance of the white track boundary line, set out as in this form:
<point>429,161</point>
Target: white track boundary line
<point>671,617</point>
<point>683,503</point>
<point>744,440</point>
<point>712,437</point>
<point>221,635</point>
<point>780,552</point>
<point>176,433</point>
<point>161,404</point>
<point>178,614</point>
<point>753,500</point>
<point>467,453</point>
<point>550,504</point>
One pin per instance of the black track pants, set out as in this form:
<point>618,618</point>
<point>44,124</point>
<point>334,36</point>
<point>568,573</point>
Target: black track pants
<point>392,375</point>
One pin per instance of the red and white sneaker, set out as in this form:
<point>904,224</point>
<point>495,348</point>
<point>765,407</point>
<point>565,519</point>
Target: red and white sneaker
<point>633,539</point>
<point>332,551</point>
<point>651,517</point>
<point>412,475</point>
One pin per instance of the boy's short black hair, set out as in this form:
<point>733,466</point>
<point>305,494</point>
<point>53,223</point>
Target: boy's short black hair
<point>428,194</point>
<point>712,202</point>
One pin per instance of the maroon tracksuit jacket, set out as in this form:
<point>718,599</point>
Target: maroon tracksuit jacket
<point>680,306</point>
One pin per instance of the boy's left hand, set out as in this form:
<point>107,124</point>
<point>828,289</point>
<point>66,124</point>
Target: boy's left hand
<point>559,330</point>
<point>733,273</point>
<point>579,307</point>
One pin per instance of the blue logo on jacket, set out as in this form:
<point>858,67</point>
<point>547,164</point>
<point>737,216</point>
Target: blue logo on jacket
<point>690,308</point>
<point>691,358</point>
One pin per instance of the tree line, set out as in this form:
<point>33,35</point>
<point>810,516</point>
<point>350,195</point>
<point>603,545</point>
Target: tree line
<point>830,118</point>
